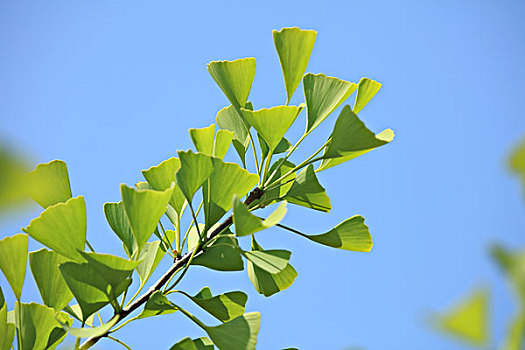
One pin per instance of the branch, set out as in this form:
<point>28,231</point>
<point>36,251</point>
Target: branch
<point>179,262</point>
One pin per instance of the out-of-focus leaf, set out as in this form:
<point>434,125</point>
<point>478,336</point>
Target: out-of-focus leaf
<point>7,330</point>
<point>144,209</point>
<point>267,283</point>
<point>283,146</point>
<point>223,140</point>
<point>157,304</point>
<point>350,139</point>
<point>51,284</point>
<point>49,184</point>
<point>149,257</point>
<point>195,169</point>
<point>40,328</point>
<point>13,188</point>
<point>323,95</point>
<point>187,343</point>
<point>246,223</point>
<point>203,139</point>
<point>517,161</point>
<point>224,307</point>
<point>515,337</point>
<point>222,255</point>
<point>237,334</point>
<point>62,227</point>
<point>351,234</point>
<point>161,177</point>
<point>513,263</point>
<point>234,78</point>
<point>294,47</point>
<point>13,261</point>
<point>272,123</point>
<point>119,223</point>
<point>226,180</point>
<point>308,192</point>
<point>272,261</point>
<point>366,90</point>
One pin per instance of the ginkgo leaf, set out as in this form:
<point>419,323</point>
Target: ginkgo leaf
<point>366,90</point>
<point>91,332</point>
<point>114,269</point>
<point>119,223</point>
<point>224,307</point>
<point>144,209</point>
<point>513,264</point>
<point>195,169</point>
<point>49,280</point>
<point>230,119</point>
<point>352,234</point>
<point>49,184</point>
<point>222,255</point>
<point>278,169</point>
<point>350,139</point>
<point>7,330</point>
<point>294,47</point>
<point>203,139</point>
<point>237,334</point>
<point>187,343</point>
<point>246,223</point>
<point>283,146</point>
<point>226,180</point>
<point>308,192</point>
<point>157,304</point>
<point>13,261</point>
<point>234,78</point>
<point>272,123</point>
<point>517,161</point>
<point>149,257</point>
<point>76,312</point>
<point>162,176</point>
<point>272,261</point>
<point>267,283</point>
<point>223,140</point>
<point>323,95</point>
<point>62,227</point>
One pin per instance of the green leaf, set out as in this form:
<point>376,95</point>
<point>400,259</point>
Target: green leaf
<point>114,269</point>
<point>272,123</point>
<point>283,146</point>
<point>195,169</point>
<point>13,261</point>
<point>294,47</point>
<point>224,307</point>
<point>308,192</point>
<point>144,209</point>
<point>468,320</point>
<point>157,304</point>
<point>51,284</point>
<point>229,118</point>
<point>7,330</point>
<point>161,177</point>
<point>274,194</point>
<point>203,139</point>
<point>517,161</point>
<point>222,255</point>
<point>272,261</point>
<point>187,343</point>
<point>246,223</point>
<point>352,234</point>
<point>350,139</point>
<point>49,184</point>
<point>323,95</point>
<point>90,332</point>
<point>223,140</point>
<point>515,337</point>
<point>39,326</point>
<point>62,227</point>
<point>226,180</point>
<point>366,90</point>
<point>149,257</point>
<point>234,78</point>
<point>513,264</point>
<point>119,223</point>
<point>267,283</point>
<point>76,312</point>
<point>237,334</point>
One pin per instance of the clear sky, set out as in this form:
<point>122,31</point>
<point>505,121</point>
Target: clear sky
<point>111,87</point>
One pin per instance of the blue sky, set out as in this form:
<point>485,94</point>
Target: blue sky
<point>112,87</point>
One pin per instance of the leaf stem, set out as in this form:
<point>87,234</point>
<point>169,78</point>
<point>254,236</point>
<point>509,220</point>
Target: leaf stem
<point>120,342</point>
<point>89,246</point>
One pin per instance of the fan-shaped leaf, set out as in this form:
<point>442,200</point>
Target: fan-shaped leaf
<point>157,304</point>
<point>119,223</point>
<point>229,118</point>
<point>221,256</point>
<point>223,140</point>
<point>283,146</point>
<point>351,234</point>
<point>224,307</point>
<point>278,169</point>
<point>49,184</point>
<point>366,90</point>
<point>195,169</point>
<point>237,334</point>
<point>203,139</point>
<point>246,223</point>
<point>187,343</point>
<point>7,330</point>
<point>13,261</point>
<point>149,257</point>
<point>308,192</point>
<point>90,332</point>
<point>272,261</point>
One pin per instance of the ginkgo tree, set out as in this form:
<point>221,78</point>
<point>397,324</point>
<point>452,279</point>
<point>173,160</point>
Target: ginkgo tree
<point>219,199</point>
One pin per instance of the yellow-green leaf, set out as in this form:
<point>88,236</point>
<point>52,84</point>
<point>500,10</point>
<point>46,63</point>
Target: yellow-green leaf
<point>223,140</point>
<point>224,307</point>
<point>237,334</point>
<point>308,192</point>
<point>222,255</point>
<point>187,343</point>
<point>149,257</point>
<point>7,330</point>
<point>229,118</point>
<point>119,223</point>
<point>13,261</point>
<point>157,304</point>
<point>351,234</point>
<point>195,169</point>
<point>366,90</point>
<point>49,184</point>
<point>246,223</point>
<point>203,139</point>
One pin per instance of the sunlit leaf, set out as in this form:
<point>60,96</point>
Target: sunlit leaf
<point>267,283</point>
<point>237,334</point>
<point>144,209</point>
<point>229,118</point>
<point>187,343</point>
<point>195,169</point>
<point>323,95</point>
<point>76,312</point>
<point>308,192</point>
<point>203,139</point>
<point>51,284</point>
<point>90,332</point>
<point>294,47</point>
<point>62,227</point>
<point>223,139</point>
<point>366,90</point>
<point>278,169</point>
<point>157,304</point>
<point>7,330</point>
<point>234,78</point>
<point>222,255</point>
<point>49,184</point>
<point>272,123</point>
<point>272,261</point>
<point>351,234</point>
<point>246,223</point>
<point>149,257</point>
<point>119,223</point>
<point>224,307</point>
<point>13,261</point>
<point>283,146</point>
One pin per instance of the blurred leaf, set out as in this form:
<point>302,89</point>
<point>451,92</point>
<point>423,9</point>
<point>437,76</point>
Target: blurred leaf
<point>366,90</point>
<point>308,192</point>
<point>352,234</point>
<point>517,161</point>
<point>246,223</point>
<point>157,304</point>
<point>283,146</point>
<point>90,332</point>
<point>228,118</point>
<point>223,140</point>
<point>119,223</point>
<point>161,177</point>
<point>49,184</point>
<point>224,307</point>
<point>323,95</point>
<point>226,180</point>
<point>515,337</point>
<point>272,261</point>
<point>203,139</point>
<point>39,326</point>
<point>149,257</point>
<point>51,284</point>
<point>62,227</point>
<point>7,330</point>
<point>144,209</point>
<point>195,169</point>
<point>13,184</point>
<point>234,78</point>
<point>513,264</point>
<point>13,261</point>
<point>222,255</point>
<point>203,343</point>
<point>272,123</point>
<point>237,334</point>
<point>266,283</point>
<point>294,47</point>
<point>350,139</point>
